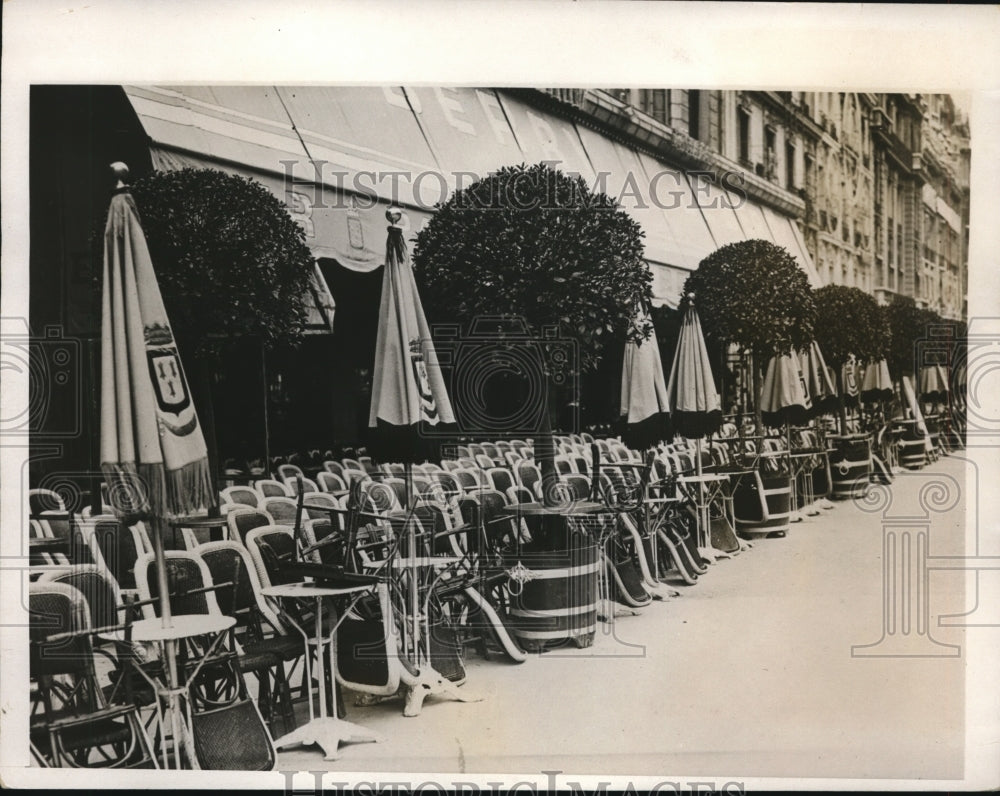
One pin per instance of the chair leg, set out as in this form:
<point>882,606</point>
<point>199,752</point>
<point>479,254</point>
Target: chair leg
<point>281,702</point>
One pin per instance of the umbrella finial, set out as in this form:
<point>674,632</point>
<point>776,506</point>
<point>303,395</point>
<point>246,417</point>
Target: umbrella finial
<point>396,217</point>
<point>119,171</point>
<point>690,297</point>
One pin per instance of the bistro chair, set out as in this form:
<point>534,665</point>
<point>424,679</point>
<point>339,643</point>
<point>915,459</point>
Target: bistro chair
<point>329,482</point>
<point>241,496</point>
<point>265,649</point>
<point>289,472</point>
<point>512,457</point>
<point>72,725</point>
<point>282,510</point>
<point>271,547</point>
<point>333,466</point>
<point>227,727</point>
<point>242,521</point>
<point>268,487</point>
<point>449,483</point>
<point>579,485</point>
<point>115,548</point>
<point>322,530</point>
<point>308,485</point>
<point>468,479</point>
<point>500,479</point>
<point>520,494</point>
<point>529,476</point>
<point>352,476</point>
<point>41,530</point>
<point>318,499</point>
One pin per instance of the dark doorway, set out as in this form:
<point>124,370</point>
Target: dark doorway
<point>355,330</point>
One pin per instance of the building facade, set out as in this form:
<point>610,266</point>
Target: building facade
<point>877,183</point>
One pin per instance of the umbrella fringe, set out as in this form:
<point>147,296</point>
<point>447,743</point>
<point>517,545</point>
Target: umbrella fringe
<point>150,487</point>
<point>189,488</point>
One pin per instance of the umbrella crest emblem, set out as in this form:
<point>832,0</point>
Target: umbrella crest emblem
<point>428,407</point>
<point>167,377</point>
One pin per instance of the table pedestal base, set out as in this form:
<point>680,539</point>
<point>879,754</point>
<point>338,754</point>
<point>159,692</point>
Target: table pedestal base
<point>328,733</point>
<point>429,682</point>
<point>711,554</point>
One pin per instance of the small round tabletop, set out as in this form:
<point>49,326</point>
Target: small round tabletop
<point>37,570</point>
<point>570,509</point>
<point>53,515</point>
<point>44,543</point>
<point>198,522</point>
<point>181,626</point>
<point>425,561</point>
<point>704,477</point>
<point>305,589</point>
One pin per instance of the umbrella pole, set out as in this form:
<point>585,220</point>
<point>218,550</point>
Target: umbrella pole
<point>702,505</point>
<point>792,473</point>
<point>648,524</point>
<point>414,569</point>
<point>169,646</point>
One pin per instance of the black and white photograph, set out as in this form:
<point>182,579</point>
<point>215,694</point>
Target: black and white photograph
<point>499,397</point>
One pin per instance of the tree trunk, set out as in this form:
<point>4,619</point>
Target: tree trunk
<point>545,449</point>
<point>840,399</point>
<point>757,389</point>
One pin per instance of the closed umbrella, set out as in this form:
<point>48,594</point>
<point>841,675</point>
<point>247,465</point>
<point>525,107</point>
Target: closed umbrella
<point>408,400</point>
<point>408,392</point>
<point>850,378</point>
<point>819,382</point>
<point>933,384</point>
<point>918,416</point>
<point>695,406</point>
<point>785,400</point>
<point>877,384</point>
<point>644,404</point>
<point>153,454</point>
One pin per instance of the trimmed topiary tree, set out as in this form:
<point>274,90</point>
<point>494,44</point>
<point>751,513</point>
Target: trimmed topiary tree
<point>753,294</point>
<point>849,321</point>
<point>533,243</point>
<point>231,263</point>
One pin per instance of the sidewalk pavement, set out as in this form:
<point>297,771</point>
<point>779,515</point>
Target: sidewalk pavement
<point>749,674</point>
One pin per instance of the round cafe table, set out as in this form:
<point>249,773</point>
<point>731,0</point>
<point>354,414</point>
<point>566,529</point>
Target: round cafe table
<point>328,732</point>
<point>179,628</point>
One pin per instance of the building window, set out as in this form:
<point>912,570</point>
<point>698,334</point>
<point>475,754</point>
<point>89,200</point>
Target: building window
<point>656,103</point>
<point>744,134</point>
<point>770,156</point>
<point>694,113</point>
<point>790,166</point>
